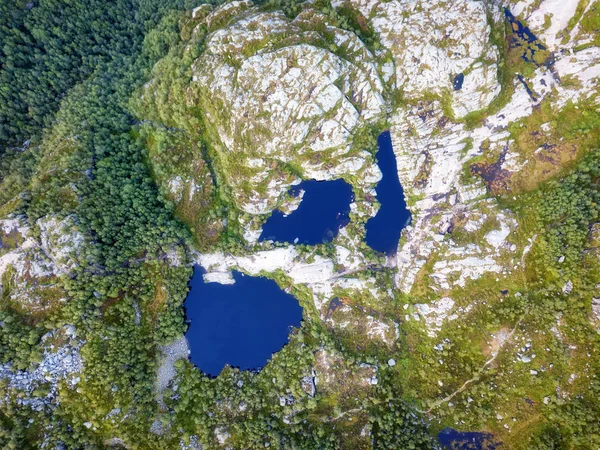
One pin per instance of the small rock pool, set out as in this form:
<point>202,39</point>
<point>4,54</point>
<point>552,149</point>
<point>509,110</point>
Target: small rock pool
<point>240,324</point>
<point>323,210</point>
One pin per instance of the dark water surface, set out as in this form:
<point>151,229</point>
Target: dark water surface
<point>239,324</point>
<point>468,440</point>
<point>383,230</point>
<point>458,81</point>
<point>324,209</point>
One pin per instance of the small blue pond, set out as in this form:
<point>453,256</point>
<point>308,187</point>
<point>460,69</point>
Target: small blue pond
<point>324,209</point>
<point>458,81</point>
<point>383,230</point>
<point>469,440</point>
<point>240,324</point>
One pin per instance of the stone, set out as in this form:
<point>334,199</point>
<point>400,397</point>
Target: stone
<point>284,98</point>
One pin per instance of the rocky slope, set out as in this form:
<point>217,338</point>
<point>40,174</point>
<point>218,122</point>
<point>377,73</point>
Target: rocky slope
<point>485,101</point>
<point>295,91</point>
<point>284,94</point>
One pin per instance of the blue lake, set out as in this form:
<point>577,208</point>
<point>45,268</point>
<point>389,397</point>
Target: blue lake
<point>324,209</point>
<point>240,324</point>
<point>467,440</point>
<point>383,230</point>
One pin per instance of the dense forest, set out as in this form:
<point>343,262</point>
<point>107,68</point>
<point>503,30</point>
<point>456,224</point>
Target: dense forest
<point>75,145</point>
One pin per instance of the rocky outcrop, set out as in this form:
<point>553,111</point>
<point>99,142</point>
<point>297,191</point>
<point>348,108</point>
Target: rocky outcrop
<point>575,52</point>
<point>316,272</point>
<point>59,364</point>
<point>432,147</point>
<point>431,151</point>
<point>61,241</point>
<point>280,91</point>
<point>457,43</point>
<point>280,95</point>
<point>32,265</point>
<point>170,354</point>
<point>285,99</point>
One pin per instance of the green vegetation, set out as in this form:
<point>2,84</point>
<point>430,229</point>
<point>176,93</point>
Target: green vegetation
<point>90,159</point>
<point>105,184</point>
<point>49,46</point>
<point>590,23</point>
<point>99,125</point>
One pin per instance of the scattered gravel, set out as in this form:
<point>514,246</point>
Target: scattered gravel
<point>166,371</point>
<point>56,365</point>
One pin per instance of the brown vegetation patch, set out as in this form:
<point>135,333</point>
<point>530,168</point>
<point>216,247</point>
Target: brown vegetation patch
<point>545,163</point>
<point>111,301</point>
<point>496,179</point>
<point>158,300</point>
<point>424,171</point>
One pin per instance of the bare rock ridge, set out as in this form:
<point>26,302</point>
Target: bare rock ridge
<point>297,91</point>
<point>275,93</point>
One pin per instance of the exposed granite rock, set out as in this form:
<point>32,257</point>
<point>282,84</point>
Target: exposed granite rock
<point>58,365</point>
<point>423,133</point>
<point>281,91</point>
<point>61,240</point>
<point>457,42</point>
<point>316,272</point>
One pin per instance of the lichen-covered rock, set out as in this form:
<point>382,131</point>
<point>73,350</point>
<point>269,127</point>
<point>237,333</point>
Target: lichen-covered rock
<point>350,321</point>
<point>458,43</point>
<point>54,253</point>
<point>59,364</point>
<point>431,151</point>
<point>479,88</point>
<point>30,270</point>
<point>283,98</point>
<point>61,240</point>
